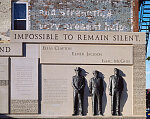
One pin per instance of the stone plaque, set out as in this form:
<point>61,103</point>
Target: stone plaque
<point>11,49</point>
<point>24,85</point>
<point>24,76</point>
<point>3,68</point>
<point>86,54</point>
<point>78,37</point>
<point>57,91</point>
<point>33,50</point>
<point>4,99</point>
<point>4,85</point>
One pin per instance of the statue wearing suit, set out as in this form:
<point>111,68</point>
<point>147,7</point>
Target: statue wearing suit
<point>78,84</point>
<point>115,90</point>
<point>96,91</point>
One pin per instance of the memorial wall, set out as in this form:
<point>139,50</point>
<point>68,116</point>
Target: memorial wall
<point>41,74</point>
<point>70,59</point>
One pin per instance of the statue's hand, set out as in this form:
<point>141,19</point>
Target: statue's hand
<point>76,90</point>
<point>91,94</point>
<point>110,94</point>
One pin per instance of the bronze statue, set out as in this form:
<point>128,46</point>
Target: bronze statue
<point>96,91</point>
<point>78,84</point>
<point>115,89</point>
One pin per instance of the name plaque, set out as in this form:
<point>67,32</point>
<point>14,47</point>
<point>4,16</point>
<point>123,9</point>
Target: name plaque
<point>86,54</point>
<point>78,37</point>
<point>11,49</point>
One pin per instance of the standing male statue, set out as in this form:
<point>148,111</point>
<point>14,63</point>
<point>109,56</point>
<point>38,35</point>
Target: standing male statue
<point>115,90</point>
<point>96,91</point>
<point>78,84</point>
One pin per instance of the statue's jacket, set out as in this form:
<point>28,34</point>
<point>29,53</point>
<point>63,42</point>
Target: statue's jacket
<point>115,84</point>
<point>78,83</point>
<point>96,86</point>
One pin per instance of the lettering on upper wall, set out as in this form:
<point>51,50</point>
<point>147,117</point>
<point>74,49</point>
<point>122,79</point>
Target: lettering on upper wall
<point>78,37</point>
<point>106,15</point>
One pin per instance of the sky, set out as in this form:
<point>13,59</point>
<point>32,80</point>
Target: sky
<point>148,68</point>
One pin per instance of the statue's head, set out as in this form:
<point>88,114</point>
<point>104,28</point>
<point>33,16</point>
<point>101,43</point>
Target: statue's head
<point>116,72</point>
<point>78,70</point>
<point>95,73</point>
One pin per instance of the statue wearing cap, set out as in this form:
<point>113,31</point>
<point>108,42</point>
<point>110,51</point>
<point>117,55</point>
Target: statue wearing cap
<point>78,84</point>
<point>96,91</point>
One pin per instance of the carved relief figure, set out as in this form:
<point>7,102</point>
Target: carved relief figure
<point>115,90</point>
<point>78,84</point>
<point>96,91</point>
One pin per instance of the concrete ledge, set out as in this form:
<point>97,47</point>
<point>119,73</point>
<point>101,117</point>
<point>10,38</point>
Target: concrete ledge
<point>70,117</point>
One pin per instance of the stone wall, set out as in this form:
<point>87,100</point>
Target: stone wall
<point>139,80</point>
<point>87,15</point>
<point>5,19</point>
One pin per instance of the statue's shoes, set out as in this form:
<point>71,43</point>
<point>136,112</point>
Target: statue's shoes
<point>83,115</point>
<point>118,114</point>
<point>95,114</point>
<point>113,114</point>
<point>74,114</point>
<point>100,114</point>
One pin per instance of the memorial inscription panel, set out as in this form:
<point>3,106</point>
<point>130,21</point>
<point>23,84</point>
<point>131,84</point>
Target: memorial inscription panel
<point>60,52</point>
<point>86,54</point>
<point>57,91</point>
<point>24,76</point>
<point>78,37</point>
<point>11,49</point>
<point>24,85</point>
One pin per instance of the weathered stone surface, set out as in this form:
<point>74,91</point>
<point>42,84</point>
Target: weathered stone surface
<point>3,70</point>
<point>11,49</point>
<point>139,81</point>
<point>4,101</point>
<point>86,54</point>
<point>4,82</point>
<point>5,19</point>
<point>70,117</point>
<point>33,50</point>
<point>90,15</point>
<point>24,106</point>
